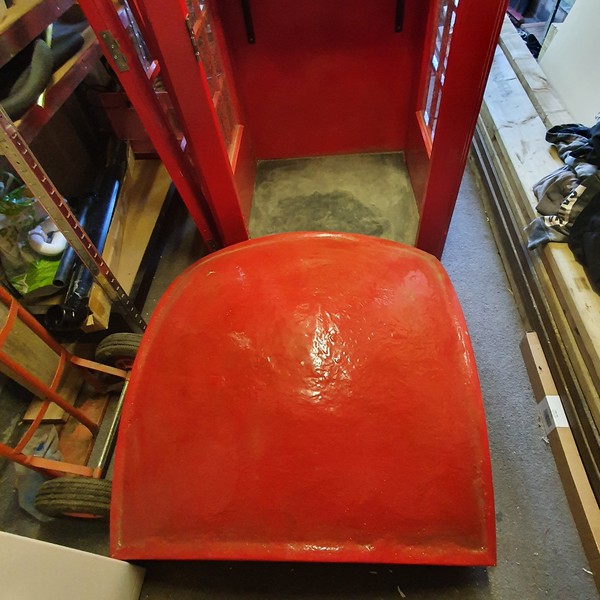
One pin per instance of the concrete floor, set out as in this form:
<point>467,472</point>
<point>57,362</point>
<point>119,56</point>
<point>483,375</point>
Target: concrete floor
<point>361,193</point>
<point>539,553</point>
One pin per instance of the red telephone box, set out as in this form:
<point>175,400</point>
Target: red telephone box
<point>265,79</point>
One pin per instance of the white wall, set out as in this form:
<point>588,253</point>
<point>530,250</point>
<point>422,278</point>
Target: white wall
<point>572,61</point>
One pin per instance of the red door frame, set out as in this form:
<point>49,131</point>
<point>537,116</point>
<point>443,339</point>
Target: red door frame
<point>185,80</point>
<point>138,86</point>
<point>436,168</point>
<point>200,171</point>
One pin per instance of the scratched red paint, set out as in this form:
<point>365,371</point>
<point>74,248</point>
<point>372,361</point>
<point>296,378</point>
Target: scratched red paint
<point>310,397</point>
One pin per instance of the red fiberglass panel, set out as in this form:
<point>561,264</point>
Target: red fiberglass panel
<point>306,396</point>
<point>325,77</point>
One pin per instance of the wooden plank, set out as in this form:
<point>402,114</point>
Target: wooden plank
<point>69,389</point>
<point>140,201</point>
<point>546,312</point>
<point>520,136</point>
<point>588,379</point>
<point>33,354</point>
<point>533,79</point>
<point>578,301</point>
<point>519,130</point>
<point>580,496</point>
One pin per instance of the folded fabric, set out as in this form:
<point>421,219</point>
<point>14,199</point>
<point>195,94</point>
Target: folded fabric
<point>559,193</point>
<point>574,219</point>
<point>542,231</point>
<point>552,189</point>
<point>584,240</point>
<point>557,227</point>
<point>576,143</point>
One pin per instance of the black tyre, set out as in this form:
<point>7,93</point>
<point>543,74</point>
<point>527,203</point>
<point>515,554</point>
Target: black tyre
<point>74,497</point>
<point>119,349</point>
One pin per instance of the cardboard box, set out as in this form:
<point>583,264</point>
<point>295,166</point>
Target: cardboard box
<point>582,502</point>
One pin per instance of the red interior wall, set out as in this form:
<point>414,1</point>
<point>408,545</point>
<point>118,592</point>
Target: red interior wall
<point>325,77</point>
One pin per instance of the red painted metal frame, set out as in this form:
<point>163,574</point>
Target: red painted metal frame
<point>47,393</point>
<point>242,155</point>
<point>440,72</point>
<point>185,80</point>
<point>436,177</point>
<point>103,17</point>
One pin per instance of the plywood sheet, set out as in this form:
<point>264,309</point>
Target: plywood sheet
<point>140,202</point>
<point>533,79</point>
<point>33,354</point>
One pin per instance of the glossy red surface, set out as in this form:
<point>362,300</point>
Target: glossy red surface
<point>306,396</point>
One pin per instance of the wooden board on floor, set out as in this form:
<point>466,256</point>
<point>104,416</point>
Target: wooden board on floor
<point>580,496</point>
<point>69,389</point>
<point>140,201</point>
<point>577,381</point>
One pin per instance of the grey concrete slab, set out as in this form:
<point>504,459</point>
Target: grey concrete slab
<point>359,193</point>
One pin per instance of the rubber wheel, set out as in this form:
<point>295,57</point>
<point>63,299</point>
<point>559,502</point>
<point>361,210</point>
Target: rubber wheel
<point>74,497</point>
<point>119,349</point>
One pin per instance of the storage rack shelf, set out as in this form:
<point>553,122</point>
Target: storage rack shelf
<point>146,183</point>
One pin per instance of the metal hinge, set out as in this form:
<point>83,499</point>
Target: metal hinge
<point>115,51</point>
<point>190,27</point>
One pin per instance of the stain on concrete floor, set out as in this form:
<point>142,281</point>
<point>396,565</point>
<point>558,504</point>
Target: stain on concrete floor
<point>361,193</point>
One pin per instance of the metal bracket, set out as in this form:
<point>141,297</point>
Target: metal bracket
<point>248,21</point>
<point>189,23</point>
<point>115,51</point>
<point>13,146</point>
<point>399,20</point>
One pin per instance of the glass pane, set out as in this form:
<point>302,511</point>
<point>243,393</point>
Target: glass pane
<point>438,63</point>
<point>210,57</point>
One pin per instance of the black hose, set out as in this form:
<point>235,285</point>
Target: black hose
<point>68,258</point>
<point>75,310</point>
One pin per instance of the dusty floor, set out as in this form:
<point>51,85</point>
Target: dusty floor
<point>540,555</point>
<point>361,193</point>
